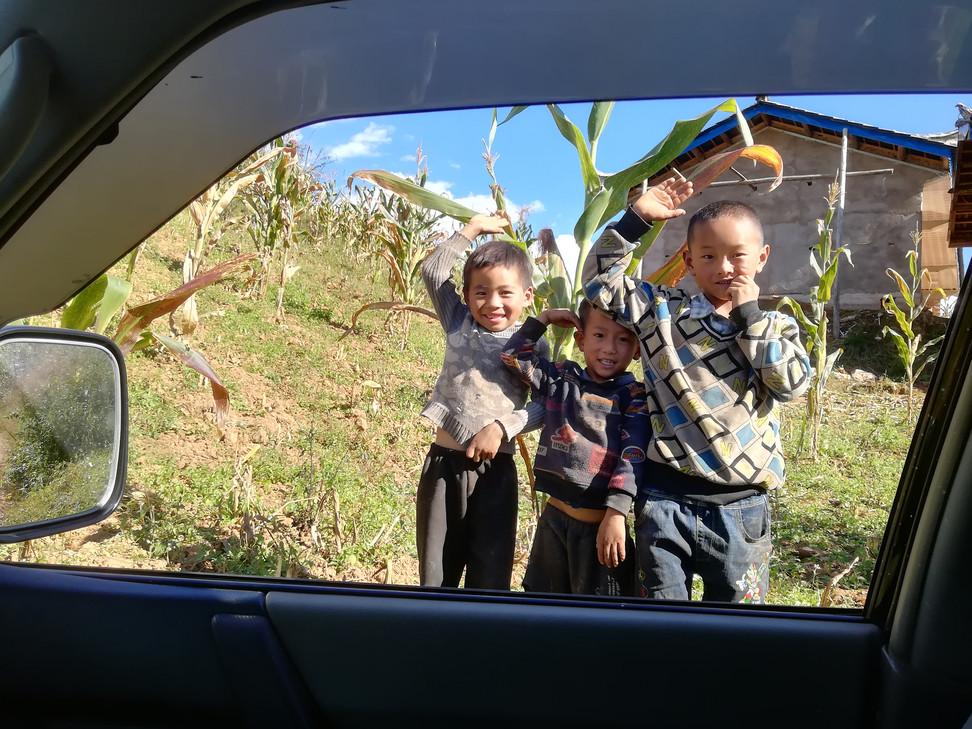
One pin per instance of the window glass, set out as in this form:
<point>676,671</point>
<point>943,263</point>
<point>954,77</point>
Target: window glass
<point>318,326</point>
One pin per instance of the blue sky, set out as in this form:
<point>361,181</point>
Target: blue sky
<point>538,167</point>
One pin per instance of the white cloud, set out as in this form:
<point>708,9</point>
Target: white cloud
<point>439,186</point>
<point>363,144</point>
<point>455,165</point>
<point>569,251</point>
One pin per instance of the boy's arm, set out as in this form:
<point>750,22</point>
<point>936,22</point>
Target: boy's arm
<point>605,284</point>
<point>771,342</point>
<point>437,267</point>
<point>520,355</point>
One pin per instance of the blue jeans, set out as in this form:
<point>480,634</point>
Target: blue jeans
<point>727,545</point>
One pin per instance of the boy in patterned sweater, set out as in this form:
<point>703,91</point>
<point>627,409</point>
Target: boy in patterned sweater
<point>716,367</point>
<point>590,454</point>
<point>467,495</point>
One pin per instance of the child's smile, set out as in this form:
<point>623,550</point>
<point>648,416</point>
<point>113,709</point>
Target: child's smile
<point>608,347</point>
<point>496,297</point>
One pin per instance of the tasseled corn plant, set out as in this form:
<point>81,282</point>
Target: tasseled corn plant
<point>913,354</point>
<point>824,259</point>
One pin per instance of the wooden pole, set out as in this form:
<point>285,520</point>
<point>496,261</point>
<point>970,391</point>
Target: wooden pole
<point>839,229</point>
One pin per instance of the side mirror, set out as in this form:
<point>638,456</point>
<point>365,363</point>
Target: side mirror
<point>63,430</point>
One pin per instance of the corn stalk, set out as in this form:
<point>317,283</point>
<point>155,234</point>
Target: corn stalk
<point>276,201</point>
<point>913,354</point>
<point>404,239</point>
<point>824,259</point>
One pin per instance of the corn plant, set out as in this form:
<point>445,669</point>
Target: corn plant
<point>96,305</point>
<point>824,259</point>
<point>914,355</point>
<point>206,212</point>
<point>276,201</point>
<point>404,239</point>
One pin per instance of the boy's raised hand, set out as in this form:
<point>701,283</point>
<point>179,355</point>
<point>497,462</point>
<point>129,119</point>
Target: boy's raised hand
<point>486,225</point>
<point>610,538</point>
<point>560,318</point>
<point>662,201</point>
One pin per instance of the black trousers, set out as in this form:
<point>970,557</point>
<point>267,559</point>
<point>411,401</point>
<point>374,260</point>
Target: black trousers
<point>466,518</point>
<point>564,559</point>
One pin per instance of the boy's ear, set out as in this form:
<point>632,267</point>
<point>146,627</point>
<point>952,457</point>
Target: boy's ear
<point>637,354</point>
<point>763,255</point>
<point>579,339</point>
<point>528,296</point>
<point>687,260</point>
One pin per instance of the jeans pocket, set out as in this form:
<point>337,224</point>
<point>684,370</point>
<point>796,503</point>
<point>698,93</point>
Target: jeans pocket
<point>643,512</point>
<point>754,521</point>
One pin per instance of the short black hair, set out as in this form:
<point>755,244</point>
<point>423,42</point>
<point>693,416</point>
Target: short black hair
<point>721,209</point>
<point>499,253</point>
<point>584,311</point>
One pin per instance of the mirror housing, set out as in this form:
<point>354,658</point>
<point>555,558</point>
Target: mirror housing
<point>63,430</point>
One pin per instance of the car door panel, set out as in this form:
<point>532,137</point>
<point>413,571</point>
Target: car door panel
<point>173,651</point>
<point>371,660</point>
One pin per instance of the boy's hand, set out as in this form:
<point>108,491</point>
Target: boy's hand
<point>742,289</point>
<point>610,538</point>
<point>560,317</point>
<point>485,443</point>
<point>662,201</point>
<point>486,224</point>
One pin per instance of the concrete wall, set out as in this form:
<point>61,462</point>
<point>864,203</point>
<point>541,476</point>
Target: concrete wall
<point>880,211</point>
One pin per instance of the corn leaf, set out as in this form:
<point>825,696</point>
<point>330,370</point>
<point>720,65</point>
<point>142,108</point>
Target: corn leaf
<point>905,326</point>
<point>415,194</point>
<point>194,360</point>
<point>388,306</point>
<point>829,365</point>
<point>514,112</point>
<point>913,263</point>
<point>899,341</point>
<point>572,134</point>
<point>670,147</point>
<point>709,170</point>
<point>136,320</point>
<point>673,271</point>
<point>800,315</point>
<point>96,304</point>
<point>600,113</point>
<point>902,286</point>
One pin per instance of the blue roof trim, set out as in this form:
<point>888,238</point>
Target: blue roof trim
<point>826,122</point>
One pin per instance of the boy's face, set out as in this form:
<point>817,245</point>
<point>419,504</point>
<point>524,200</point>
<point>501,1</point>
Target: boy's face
<point>496,297</point>
<point>607,346</point>
<point>721,251</point>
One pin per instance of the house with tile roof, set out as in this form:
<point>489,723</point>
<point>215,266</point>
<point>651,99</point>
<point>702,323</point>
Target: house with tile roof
<point>896,182</point>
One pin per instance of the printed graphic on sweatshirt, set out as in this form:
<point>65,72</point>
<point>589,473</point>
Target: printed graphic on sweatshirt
<point>562,439</point>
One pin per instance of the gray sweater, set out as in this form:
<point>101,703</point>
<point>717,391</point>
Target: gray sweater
<point>474,387</point>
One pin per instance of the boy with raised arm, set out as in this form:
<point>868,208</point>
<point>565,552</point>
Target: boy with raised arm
<point>590,453</point>
<point>467,496</point>
<point>716,367</point>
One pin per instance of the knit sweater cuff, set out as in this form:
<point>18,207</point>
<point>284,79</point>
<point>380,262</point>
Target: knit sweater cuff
<point>619,500</point>
<point>746,314</point>
<point>631,227</point>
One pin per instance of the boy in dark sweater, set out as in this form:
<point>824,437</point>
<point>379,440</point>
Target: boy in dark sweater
<point>591,447</point>
<point>467,496</point>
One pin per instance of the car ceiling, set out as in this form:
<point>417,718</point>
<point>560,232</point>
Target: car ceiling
<point>194,87</point>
